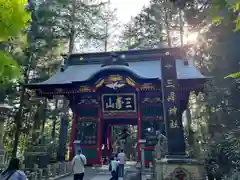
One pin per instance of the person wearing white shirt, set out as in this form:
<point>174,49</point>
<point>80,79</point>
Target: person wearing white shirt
<point>114,167</point>
<point>121,158</point>
<point>78,163</point>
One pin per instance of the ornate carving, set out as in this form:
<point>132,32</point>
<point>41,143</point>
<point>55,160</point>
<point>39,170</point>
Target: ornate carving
<point>180,174</point>
<point>115,82</point>
<point>87,118</point>
<point>130,82</point>
<point>59,90</point>
<point>152,100</point>
<point>99,83</point>
<point>39,91</point>
<point>152,118</point>
<point>85,89</point>
<point>88,100</point>
<point>114,78</point>
<point>113,115</point>
<point>115,85</point>
<point>147,86</point>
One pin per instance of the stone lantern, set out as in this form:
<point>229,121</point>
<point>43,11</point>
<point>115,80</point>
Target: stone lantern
<point>4,109</point>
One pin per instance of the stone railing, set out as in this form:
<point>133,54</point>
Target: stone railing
<point>53,171</point>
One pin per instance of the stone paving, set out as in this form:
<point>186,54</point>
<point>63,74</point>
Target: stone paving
<point>102,173</point>
<point>96,177</point>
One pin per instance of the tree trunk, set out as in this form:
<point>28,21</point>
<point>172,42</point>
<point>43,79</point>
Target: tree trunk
<point>17,120</point>
<point>181,27</point>
<point>72,31</point>
<point>44,116</point>
<point>18,116</point>
<point>54,121</point>
<point>64,118</point>
<point>167,26</point>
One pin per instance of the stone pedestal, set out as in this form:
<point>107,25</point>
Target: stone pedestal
<point>178,169</point>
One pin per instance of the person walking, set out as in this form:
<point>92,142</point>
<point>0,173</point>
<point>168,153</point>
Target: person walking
<point>78,163</point>
<point>113,167</point>
<point>13,172</point>
<point>121,158</point>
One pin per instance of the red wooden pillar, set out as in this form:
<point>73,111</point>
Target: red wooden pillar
<point>109,140</point>
<point>139,127</point>
<point>99,137</point>
<point>72,148</point>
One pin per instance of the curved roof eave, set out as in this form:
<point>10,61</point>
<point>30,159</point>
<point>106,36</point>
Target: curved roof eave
<point>120,68</point>
<point>149,69</point>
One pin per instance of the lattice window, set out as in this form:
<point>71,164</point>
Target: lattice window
<point>86,132</point>
<point>152,111</point>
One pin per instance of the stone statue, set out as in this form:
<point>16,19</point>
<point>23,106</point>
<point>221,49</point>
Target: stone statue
<point>161,146</point>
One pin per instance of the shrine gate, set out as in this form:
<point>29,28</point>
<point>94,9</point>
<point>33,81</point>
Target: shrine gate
<point>147,88</point>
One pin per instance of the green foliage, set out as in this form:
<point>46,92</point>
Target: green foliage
<point>230,147</point>
<point>152,27</point>
<point>233,75</point>
<point>9,68</point>
<point>217,55</point>
<point>14,18</point>
<point>234,175</point>
<point>219,11</point>
<point>53,25</point>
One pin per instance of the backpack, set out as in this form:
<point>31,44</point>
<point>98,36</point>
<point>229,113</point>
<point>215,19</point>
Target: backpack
<point>110,167</point>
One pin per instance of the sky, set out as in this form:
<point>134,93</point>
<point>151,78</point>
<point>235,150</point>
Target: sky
<point>127,8</point>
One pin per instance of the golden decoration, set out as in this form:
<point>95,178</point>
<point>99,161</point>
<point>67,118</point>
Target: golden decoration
<point>170,83</point>
<point>100,83</point>
<point>130,81</point>
<point>173,124</point>
<point>171,97</point>
<point>114,78</point>
<point>172,111</point>
<point>84,89</point>
<point>147,86</point>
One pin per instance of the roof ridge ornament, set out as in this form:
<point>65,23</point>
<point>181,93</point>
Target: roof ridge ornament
<point>115,59</point>
<point>64,62</point>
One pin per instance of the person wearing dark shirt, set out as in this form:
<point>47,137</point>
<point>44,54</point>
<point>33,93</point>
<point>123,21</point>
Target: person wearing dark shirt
<point>13,172</point>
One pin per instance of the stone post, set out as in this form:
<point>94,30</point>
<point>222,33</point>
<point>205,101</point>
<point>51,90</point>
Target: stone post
<point>175,165</point>
<point>1,141</point>
<point>142,143</point>
<point>54,168</point>
<point>48,174</point>
<point>3,112</point>
<point>69,167</point>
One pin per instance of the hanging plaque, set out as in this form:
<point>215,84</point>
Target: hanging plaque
<point>119,102</point>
